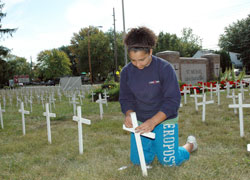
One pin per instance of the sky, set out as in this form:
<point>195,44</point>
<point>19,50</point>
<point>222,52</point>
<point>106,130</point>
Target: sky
<point>48,24</point>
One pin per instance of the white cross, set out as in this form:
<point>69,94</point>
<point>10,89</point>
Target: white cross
<point>218,92</point>
<point>185,91</point>
<point>59,95</point>
<point>30,101</point>
<point>139,143</point>
<point>80,121</point>
<point>80,96</point>
<point>101,101</point>
<point>4,102</point>
<point>203,103</point>
<point>106,97</point>
<point>234,100</point>
<point>23,118</point>
<point>17,100</point>
<point>240,106</point>
<point>10,99</point>
<point>42,99</point>
<point>228,86</point>
<point>242,90</point>
<point>195,99</point>
<point>203,88</point>
<point>1,115</point>
<point>236,84</point>
<point>92,96</point>
<point>74,103</point>
<point>211,88</point>
<point>48,115</point>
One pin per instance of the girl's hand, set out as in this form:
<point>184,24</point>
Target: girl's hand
<point>147,126</point>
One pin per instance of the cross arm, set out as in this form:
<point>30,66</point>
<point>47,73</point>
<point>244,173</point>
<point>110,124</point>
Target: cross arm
<point>82,120</point>
<point>149,134</point>
<point>50,114</point>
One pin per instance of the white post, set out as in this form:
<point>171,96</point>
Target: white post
<point>80,121</point>
<point>1,116</point>
<point>228,88</point>
<point>48,115</point>
<point>241,116</point>
<point>23,118</point>
<point>139,143</point>
<point>211,91</point>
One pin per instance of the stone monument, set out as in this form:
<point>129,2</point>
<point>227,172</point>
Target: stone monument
<point>192,70</point>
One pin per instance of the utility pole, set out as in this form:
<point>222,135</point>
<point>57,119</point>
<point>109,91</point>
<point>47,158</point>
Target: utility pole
<point>90,69</point>
<point>115,45</point>
<point>124,34</point>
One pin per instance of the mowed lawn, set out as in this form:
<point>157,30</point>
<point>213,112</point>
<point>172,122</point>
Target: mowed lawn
<point>222,153</point>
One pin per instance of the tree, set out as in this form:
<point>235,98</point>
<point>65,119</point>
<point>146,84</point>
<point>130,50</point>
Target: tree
<point>225,60</point>
<point>73,60</point>
<point>3,31</point>
<point>188,44</point>
<point>52,64</point>
<point>120,47</point>
<point>3,50</point>
<point>100,51</point>
<point>18,66</point>
<point>236,38</point>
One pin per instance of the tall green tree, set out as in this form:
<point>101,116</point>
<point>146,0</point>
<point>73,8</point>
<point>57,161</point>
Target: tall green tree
<point>52,64</point>
<point>4,50</point>
<point>4,31</point>
<point>100,51</point>
<point>73,60</point>
<point>18,66</point>
<point>188,44</point>
<point>236,38</point>
<point>120,47</point>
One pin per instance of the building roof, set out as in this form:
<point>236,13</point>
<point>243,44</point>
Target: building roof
<point>233,56</point>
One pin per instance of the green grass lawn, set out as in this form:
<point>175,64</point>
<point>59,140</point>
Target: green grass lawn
<point>222,153</point>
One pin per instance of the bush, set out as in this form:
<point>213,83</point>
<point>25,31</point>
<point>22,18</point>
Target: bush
<point>111,87</point>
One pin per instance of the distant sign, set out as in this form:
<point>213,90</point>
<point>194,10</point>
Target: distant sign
<point>21,79</point>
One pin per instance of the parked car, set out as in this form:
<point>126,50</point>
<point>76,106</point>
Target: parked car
<point>50,83</point>
<point>20,84</point>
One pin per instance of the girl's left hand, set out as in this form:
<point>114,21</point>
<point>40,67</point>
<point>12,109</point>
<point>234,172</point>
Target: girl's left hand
<point>147,126</point>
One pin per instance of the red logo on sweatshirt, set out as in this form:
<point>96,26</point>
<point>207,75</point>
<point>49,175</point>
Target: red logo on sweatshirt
<point>154,82</point>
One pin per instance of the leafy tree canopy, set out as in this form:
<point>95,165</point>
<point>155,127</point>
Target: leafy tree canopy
<point>188,44</point>
<point>52,64</point>
<point>236,38</point>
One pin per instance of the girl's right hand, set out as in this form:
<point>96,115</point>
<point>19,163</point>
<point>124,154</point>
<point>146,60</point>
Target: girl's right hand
<point>128,122</point>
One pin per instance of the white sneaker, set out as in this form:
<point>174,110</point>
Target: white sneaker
<point>192,139</point>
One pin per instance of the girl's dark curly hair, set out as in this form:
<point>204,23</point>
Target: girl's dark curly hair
<point>141,38</point>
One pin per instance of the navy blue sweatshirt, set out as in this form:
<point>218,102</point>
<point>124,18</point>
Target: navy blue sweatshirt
<point>150,90</point>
